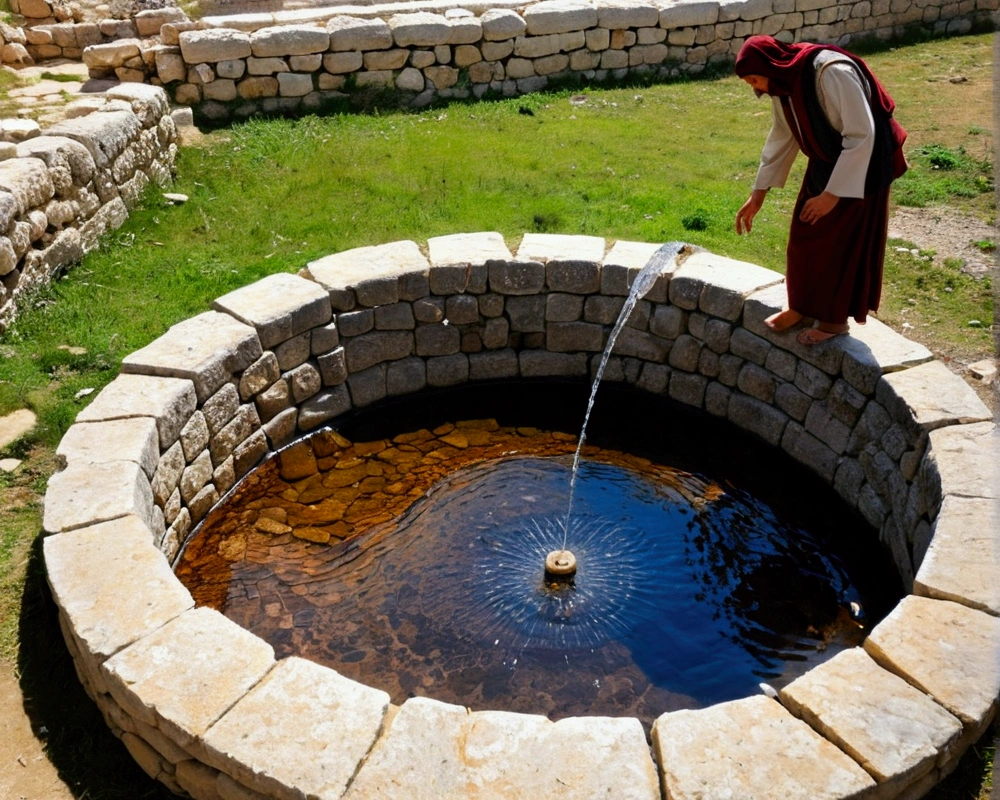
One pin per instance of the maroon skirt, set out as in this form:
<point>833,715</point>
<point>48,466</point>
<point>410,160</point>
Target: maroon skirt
<point>834,267</point>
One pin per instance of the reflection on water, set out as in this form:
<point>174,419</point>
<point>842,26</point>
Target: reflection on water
<point>687,592</point>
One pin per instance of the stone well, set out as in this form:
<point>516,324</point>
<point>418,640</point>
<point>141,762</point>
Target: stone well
<point>204,707</point>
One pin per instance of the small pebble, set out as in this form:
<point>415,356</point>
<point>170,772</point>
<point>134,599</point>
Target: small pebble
<point>175,199</point>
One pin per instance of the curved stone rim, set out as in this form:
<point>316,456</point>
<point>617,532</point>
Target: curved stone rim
<point>203,706</point>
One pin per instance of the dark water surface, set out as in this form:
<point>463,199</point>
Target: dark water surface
<point>707,562</point>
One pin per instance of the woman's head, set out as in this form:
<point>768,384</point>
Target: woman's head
<point>770,66</point>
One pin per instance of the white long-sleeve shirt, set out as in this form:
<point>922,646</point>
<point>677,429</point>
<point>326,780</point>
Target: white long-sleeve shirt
<point>843,96</point>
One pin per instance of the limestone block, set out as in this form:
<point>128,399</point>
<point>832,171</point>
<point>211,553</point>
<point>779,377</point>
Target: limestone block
<point>249,453</point>
<point>639,344</point>
<point>265,66</point>
<point>516,277</point>
<point>442,77</point>
<point>87,569</point>
<point>133,439</point>
<point>946,650</point>
<point>352,33</point>
<point>891,729</point>
<point>111,55</point>
<point>559,16</point>
<point>288,40</point>
<point>170,67</point>
<point>420,29</point>
<point>500,24</point>
<point>750,748</point>
<point>207,349</point>
<point>374,348</point>
<point>186,675</point>
<point>148,103</point>
<point>963,560</point>
<point>965,460</point>
<point>545,247</point>
<point>622,14</point>
<point>220,408</point>
<point>410,80</point>
<point>212,45</point>
<point>688,15</point>
<point>222,90</point>
<point>65,158</point>
<point>386,59</point>
<point>465,249</point>
<point>237,430</point>
<point>28,181</point>
<point>278,738</point>
<point>374,273</point>
<point>84,495</point>
<point>105,135</point>
<point>149,22</point>
<point>293,84</point>
<point>933,395</point>
<point>874,349</point>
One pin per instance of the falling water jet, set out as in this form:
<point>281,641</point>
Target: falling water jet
<point>666,255</point>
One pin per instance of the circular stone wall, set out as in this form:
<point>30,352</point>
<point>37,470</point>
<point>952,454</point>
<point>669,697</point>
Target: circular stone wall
<point>204,707</point>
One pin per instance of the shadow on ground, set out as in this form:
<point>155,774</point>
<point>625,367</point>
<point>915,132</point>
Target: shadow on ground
<point>96,766</point>
<point>89,759</point>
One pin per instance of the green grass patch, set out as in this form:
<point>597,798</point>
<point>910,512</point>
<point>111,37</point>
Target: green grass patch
<point>939,174</point>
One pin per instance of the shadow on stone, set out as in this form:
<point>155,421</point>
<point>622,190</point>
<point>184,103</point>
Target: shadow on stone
<point>88,757</point>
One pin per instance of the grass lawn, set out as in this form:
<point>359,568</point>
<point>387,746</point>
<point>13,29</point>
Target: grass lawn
<point>647,163</point>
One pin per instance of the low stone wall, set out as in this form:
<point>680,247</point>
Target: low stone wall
<point>301,60</point>
<point>204,707</point>
<point>62,188</point>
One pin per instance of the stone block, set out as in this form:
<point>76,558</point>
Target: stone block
<point>755,381</point>
<point>333,367</point>
<point>559,16</point>
<point>569,307</point>
<point>746,345</point>
<point>622,263</point>
<point>207,349</point>
<point>368,386</point>
<point>374,273</point>
<point>685,352</point>
<point>464,250</point>
<point>355,323</point>
<point>28,181</point>
<point>874,349</point>
<point>339,63</point>
<point>750,748</point>
<point>437,340</point>
<point>814,382</point>
<point>500,24</point>
<point>623,14</point>
<point>894,731</point>
<point>431,309</point>
<point>809,450</point>
<point>462,309</point>
<point>689,15</point>
<point>214,44</point>
<point>278,306</point>
<point>294,84</point>
<point>239,428</point>
<point>448,370</point>
<point>374,348</point>
<point>932,395</point>
<point>575,277</point>
<point>87,569</point>
<point>793,402</point>
<point>134,439</point>
<point>963,560</point>
<point>643,345</point>
<point>668,321</point>
<point>945,649</point>
<point>964,460</point>
<point>84,495</point>
<point>111,55</point>
<point>759,418</point>
<point>717,399</point>
<point>324,406</point>
<point>419,29</point>
<point>543,364</point>
<point>354,33</point>
<point>526,314</point>
<point>546,247</point>
<point>564,337</point>
<point>605,310</point>
<point>249,453</point>
<point>293,352</point>
<point>493,365</point>
<point>277,738</point>
<point>184,676</point>
<point>406,376</point>
<point>825,427</point>
<point>288,40</point>
<point>689,389</point>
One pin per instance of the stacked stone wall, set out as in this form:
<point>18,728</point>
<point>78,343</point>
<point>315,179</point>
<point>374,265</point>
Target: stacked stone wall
<point>298,61</point>
<point>61,189</point>
<point>895,433</point>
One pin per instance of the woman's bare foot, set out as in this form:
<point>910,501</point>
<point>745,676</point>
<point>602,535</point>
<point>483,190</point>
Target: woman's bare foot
<point>783,320</point>
<point>823,332</point>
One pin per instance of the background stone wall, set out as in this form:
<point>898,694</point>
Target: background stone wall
<point>202,705</point>
<point>62,188</point>
<point>292,61</point>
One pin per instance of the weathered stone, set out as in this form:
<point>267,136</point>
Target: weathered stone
<point>724,283</point>
<point>541,363</point>
<point>304,381</point>
<point>406,376</point>
<point>247,455</point>
<point>546,247</point>
<point>874,349</point>
<point>215,44</point>
<point>809,450</point>
<point>598,308</point>
<point>355,323</point>
<point>746,345</point>
<point>963,560</point>
<point>462,309</point>
<point>354,33</point>
<point>946,650</point>
<point>420,29</point>
<point>500,24</point>
<point>368,386</point>
<point>493,365</point>
<point>891,729</point>
<point>374,273</point>
<point>294,84</point>
<point>278,306</point>
<point>437,340</point>
<point>689,389</point>
<point>242,425</point>
<point>87,494</point>
<point>496,333</point>
<point>668,321</point>
<point>760,418</point>
<point>750,748</point>
<point>207,349</point>
<point>293,352</point>
<point>829,430</point>
<point>28,181</point>
<point>273,400</point>
<point>220,408</point>
<point>526,314</point>
<point>87,568</point>
<point>279,734</point>
<point>184,676</point>
<point>685,352</point>
<point>288,40</point>
<point>333,367</point>
<point>754,381</point>
<point>639,344</point>
<point>133,439</point>
<point>932,395</point>
<point>963,460</point>
<point>448,370</point>
<point>564,337</point>
<point>195,476</point>
<point>280,428</point>
<point>558,16</point>
<point>324,406</point>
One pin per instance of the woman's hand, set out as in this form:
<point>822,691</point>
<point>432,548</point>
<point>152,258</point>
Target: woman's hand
<point>818,207</point>
<point>744,217</point>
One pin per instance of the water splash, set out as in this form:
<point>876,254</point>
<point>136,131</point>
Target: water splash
<point>665,256</point>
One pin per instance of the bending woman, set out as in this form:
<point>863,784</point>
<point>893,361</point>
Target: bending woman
<point>826,103</point>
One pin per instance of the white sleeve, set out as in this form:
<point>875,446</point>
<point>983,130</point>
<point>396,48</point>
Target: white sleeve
<point>845,102</point>
<point>780,149</point>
